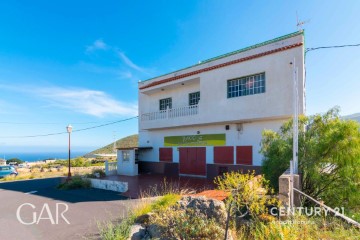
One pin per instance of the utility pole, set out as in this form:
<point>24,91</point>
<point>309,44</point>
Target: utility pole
<point>296,117</point>
<point>114,138</point>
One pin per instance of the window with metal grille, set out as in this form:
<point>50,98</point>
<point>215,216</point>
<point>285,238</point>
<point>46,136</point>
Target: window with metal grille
<point>126,155</point>
<point>165,103</point>
<point>248,85</point>
<point>194,98</point>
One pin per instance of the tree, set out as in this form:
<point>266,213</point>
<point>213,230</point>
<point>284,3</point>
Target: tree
<point>80,162</point>
<point>14,160</point>
<point>329,157</point>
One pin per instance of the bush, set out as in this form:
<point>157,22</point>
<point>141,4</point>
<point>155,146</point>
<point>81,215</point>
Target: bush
<point>111,231</point>
<point>329,157</point>
<point>80,162</point>
<point>14,160</point>
<point>98,162</point>
<point>76,182</point>
<point>100,172</point>
<point>299,227</point>
<point>247,193</point>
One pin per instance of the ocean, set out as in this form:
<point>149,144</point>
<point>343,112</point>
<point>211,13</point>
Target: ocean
<point>33,157</point>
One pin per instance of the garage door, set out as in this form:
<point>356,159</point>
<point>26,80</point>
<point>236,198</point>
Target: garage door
<point>192,161</point>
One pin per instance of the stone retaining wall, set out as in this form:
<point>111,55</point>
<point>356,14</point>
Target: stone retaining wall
<point>116,186</point>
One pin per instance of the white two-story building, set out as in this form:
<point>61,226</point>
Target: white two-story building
<point>208,118</point>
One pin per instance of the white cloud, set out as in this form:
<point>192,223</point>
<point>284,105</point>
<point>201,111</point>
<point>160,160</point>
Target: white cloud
<point>129,63</point>
<point>101,45</point>
<point>91,102</point>
<point>97,45</point>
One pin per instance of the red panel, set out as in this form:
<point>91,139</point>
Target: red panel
<point>192,160</point>
<point>166,154</point>
<point>224,155</point>
<point>244,155</point>
<point>183,162</point>
<point>200,168</point>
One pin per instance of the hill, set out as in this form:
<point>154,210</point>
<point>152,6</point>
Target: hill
<point>355,116</point>
<point>126,142</point>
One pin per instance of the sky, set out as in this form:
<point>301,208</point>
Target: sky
<point>78,62</point>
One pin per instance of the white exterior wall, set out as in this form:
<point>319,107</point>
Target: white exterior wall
<point>126,167</point>
<point>215,110</point>
<point>250,136</point>
<point>275,103</point>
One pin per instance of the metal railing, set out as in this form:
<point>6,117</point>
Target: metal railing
<point>336,214</point>
<point>171,113</point>
<point>110,168</point>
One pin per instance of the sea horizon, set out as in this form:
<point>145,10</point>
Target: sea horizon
<point>39,156</point>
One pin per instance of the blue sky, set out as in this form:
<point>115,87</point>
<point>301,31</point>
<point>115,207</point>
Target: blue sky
<point>79,62</point>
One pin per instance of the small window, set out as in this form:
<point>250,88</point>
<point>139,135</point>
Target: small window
<point>194,98</point>
<point>248,85</point>
<point>165,103</point>
<point>126,155</point>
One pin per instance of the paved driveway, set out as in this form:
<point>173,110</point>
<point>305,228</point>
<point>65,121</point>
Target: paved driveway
<point>86,208</point>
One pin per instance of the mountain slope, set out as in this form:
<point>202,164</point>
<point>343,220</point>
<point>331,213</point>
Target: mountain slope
<point>355,116</point>
<point>126,142</point>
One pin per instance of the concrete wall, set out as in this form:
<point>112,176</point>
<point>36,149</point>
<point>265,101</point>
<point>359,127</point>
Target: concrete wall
<point>126,166</point>
<point>179,97</point>
<point>215,106</point>
<point>249,136</point>
<point>116,186</point>
<point>285,189</point>
<point>215,110</point>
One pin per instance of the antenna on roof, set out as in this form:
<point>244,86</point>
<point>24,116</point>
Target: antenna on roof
<point>299,23</point>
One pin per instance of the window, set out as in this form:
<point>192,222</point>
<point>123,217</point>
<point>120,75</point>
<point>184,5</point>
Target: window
<point>194,98</point>
<point>248,85</point>
<point>165,103</point>
<point>125,155</point>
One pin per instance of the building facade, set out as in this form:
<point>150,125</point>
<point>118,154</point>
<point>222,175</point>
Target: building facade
<point>208,118</point>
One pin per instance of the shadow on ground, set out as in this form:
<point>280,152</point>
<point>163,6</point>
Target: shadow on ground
<point>47,187</point>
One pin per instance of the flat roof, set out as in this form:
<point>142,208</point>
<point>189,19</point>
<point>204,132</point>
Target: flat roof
<point>233,52</point>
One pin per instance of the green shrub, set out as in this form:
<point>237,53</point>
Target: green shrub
<point>76,182</point>
<point>93,174</point>
<point>299,227</point>
<point>247,193</point>
<point>98,162</point>
<point>111,231</point>
<point>80,162</point>
<point>329,157</point>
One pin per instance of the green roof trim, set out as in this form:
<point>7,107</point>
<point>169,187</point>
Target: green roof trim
<point>301,32</point>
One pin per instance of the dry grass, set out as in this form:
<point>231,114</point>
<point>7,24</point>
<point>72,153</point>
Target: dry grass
<point>166,187</point>
<point>25,174</point>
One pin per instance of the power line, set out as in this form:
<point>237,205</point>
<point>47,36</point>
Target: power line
<point>339,46</point>
<point>47,123</point>
<point>78,130</point>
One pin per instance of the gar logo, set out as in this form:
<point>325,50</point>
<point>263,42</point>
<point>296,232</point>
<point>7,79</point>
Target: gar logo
<point>45,214</point>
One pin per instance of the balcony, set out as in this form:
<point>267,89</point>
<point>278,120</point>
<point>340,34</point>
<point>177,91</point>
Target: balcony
<point>171,113</point>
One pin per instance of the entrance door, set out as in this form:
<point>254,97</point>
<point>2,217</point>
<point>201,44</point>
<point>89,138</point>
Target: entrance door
<point>192,161</point>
